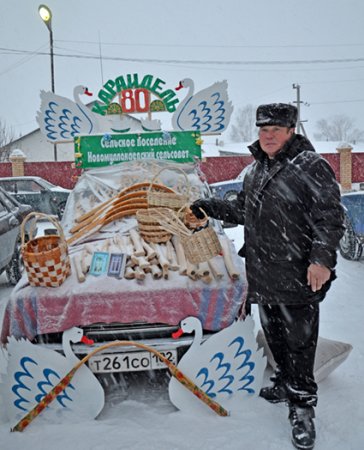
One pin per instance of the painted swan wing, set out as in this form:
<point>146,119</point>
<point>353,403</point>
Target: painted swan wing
<point>235,367</point>
<point>34,370</point>
<point>225,365</point>
<point>207,111</point>
<point>60,119</point>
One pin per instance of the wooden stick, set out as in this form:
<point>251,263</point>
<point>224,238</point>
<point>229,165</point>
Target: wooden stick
<point>191,270</point>
<point>89,249</point>
<point>228,259</point>
<point>181,257</point>
<point>136,239</point>
<point>214,269</point>
<point>139,273</point>
<point>140,261</point>
<point>105,245</point>
<point>163,261</point>
<point>207,279</point>
<point>86,259</point>
<point>156,271</point>
<point>129,273</point>
<point>124,244</point>
<point>151,254</point>
<point>77,264</point>
<point>203,270</point>
<point>171,256</point>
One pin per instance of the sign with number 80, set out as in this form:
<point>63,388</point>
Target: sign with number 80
<point>135,100</point>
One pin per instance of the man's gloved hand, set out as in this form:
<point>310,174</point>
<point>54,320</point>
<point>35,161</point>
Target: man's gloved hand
<point>201,203</point>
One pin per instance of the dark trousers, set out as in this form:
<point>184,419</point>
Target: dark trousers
<point>291,332</point>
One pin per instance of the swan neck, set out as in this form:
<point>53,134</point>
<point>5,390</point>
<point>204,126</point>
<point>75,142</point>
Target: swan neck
<point>67,350</point>
<point>198,336</point>
<point>76,96</point>
<point>188,95</point>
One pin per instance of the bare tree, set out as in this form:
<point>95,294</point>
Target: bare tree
<point>6,138</point>
<point>338,128</point>
<point>244,129</point>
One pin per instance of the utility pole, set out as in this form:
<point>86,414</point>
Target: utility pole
<point>298,103</point>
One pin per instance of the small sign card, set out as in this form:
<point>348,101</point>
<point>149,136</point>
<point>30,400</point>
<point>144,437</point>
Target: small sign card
<point>117,265</point>
<point>99,263</point>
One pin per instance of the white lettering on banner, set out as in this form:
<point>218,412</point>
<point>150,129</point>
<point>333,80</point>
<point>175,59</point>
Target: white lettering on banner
<point>118,157</point>
<point>171,154</point>
<point>132,156</point>
<point>141,142</point>
<point>155,142</point>
<point>120,143</point>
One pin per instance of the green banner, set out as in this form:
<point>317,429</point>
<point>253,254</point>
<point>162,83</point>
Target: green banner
<point>107,149</point>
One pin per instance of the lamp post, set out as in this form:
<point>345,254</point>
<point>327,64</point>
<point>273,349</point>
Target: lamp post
<point>46,15</point>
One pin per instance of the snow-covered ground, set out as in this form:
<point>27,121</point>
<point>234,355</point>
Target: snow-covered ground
<point>141,417</point>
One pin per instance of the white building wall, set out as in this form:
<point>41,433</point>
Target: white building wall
<point>36,148</point>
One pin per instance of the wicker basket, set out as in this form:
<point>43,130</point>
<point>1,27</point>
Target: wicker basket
<point>199,245</point>
<point>149,227</point>
<point>168,199</point>
<point>46,258</point>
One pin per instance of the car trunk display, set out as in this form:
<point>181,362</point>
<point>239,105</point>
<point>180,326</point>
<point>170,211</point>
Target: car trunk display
<point>121,286</point>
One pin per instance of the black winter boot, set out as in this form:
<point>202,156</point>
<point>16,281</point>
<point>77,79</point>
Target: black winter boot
<point>274,394</point>
<point>303,427</point>
<point>277,392</point>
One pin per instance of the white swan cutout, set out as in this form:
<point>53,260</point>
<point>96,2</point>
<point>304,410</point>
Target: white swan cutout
<point>61,119</point>
<point>33,370</point>
<point>227,366</point>
<point>207,111</point>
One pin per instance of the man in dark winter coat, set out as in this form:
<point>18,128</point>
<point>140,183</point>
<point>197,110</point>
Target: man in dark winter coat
<point>293,222</point>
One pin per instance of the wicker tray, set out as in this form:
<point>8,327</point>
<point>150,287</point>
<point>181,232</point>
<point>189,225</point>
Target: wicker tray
<point>149,227</point>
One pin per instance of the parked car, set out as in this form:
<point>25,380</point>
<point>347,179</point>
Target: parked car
<point>109,308</point>
<point>11,215</point>
<point>352,243</point>
<point>228,190</point>
<point>42,195</point>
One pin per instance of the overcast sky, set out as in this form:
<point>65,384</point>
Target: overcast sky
<point>260,47</point>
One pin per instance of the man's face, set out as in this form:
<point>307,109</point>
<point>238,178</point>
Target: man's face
<point>272,138</point>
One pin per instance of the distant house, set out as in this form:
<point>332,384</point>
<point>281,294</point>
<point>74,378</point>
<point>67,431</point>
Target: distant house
<point>36,148</point>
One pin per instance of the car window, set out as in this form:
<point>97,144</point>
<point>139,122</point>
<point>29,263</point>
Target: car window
<point>47,184</point>
<point>28,186</point>
<point>8,185</point>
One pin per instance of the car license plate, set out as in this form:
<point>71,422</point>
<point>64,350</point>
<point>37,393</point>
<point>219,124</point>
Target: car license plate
<point>130,362</point>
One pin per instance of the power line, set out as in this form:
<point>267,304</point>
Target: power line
<point>133,44</point>
<point>194,62</point>
<point>22,61</point>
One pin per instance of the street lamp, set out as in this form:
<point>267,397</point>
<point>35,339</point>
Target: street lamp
<point>46,15</point>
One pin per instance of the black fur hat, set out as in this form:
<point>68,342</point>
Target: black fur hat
<point>280,114</point>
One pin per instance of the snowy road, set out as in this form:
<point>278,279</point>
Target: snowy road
<point>139,415</point>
